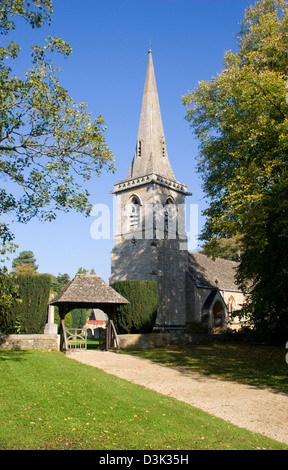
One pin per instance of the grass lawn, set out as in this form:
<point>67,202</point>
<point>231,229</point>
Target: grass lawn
<point>258,365</point>
<point>49,401</point>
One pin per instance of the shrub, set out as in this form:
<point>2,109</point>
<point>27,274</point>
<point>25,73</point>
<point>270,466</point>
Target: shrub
<point>30,315</point>
<point>79,317</point>
<point>8,297</point>
<point>67,319</point>
<point>139,316</point>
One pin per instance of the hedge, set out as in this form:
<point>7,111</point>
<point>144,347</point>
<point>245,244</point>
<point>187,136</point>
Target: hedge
<point>30,315</point>
<point>139,316</point>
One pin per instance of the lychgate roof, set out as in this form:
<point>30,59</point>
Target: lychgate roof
<point>88,289</point>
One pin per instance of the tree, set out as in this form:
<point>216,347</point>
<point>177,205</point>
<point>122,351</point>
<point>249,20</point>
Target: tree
<point>9,296</point>
<point>85,271</point>
<point>23,261</point>
<point>79,317</point>
<point>35,13</point>
<point>82,271</point>
<point>59,282</point>
<point>49,145</point>
<point>226,248</point>
<point>241,120</point>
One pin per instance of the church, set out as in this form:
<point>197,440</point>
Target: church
<point>151,241</point>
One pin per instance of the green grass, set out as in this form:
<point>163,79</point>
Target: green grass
<point>258,365</point>
<point>52,402</point>
<point>92,343</point>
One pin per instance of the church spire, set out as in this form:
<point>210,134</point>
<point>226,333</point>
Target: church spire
<point>151,154</point>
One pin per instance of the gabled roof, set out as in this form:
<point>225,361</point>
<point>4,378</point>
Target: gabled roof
<point>98,314</point>
<point>207,273</point>
<point>88,289</point>
<point>208,302</point>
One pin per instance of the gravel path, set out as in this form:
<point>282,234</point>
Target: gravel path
<point>258,410</point>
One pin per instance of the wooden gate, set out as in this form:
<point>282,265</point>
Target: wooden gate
<point>75,339</point>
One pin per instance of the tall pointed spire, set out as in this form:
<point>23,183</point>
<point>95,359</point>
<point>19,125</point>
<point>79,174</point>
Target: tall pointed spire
<point>151,154</point>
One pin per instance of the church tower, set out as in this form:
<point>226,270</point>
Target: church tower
<point>150,239</point>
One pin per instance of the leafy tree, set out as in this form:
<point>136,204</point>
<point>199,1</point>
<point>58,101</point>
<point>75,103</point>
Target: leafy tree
<point>241,120</point>
<point>226,248</point>
<point>9,296</point>
<point>85,271</point>
<point>34,12</point>
<point>59,282</point>
<point>25,262</point>
<point>82,271</point>
<point>49,145</point>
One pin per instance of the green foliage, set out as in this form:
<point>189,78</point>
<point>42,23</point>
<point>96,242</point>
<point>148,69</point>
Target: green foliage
<point>25,258</point>
<point>49,145</point>
<point>139,316</point>
<point>225,248</point>
<point>79,316</point>
<point>36,13</point>
<point>8,299</point>
<point>85,271</point>
<point>67,319</point>
<point>28,316</point>
<point>244,362</point>
<point>59,282</point>
<point>266,311</point>
<point>241,120</point>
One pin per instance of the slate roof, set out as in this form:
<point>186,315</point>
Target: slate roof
<point>98,315</point>
<point>207,273</point>
<point>88,289</point>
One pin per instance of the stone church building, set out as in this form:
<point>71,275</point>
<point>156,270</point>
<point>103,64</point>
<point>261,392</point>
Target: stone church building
<point>151,241</point>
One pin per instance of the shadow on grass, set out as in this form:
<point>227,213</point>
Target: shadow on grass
<point>254,365</point>
<point>16,355</point>
<point>92,343</point>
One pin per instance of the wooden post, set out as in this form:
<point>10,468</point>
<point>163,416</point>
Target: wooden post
<point>108,335</point>
<point>64,336</point>
<point>115,337</point>
<point>63,340</point>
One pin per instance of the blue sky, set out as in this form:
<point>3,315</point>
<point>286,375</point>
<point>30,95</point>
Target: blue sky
<point>110,42</point>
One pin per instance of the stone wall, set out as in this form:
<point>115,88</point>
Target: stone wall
<point>42,342</point>
<point>154,340</point>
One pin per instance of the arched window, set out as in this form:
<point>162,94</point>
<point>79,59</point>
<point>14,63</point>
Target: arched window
<point>170,218</point>
<point>134,212</point>
<point>231,304</point>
